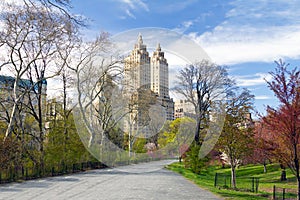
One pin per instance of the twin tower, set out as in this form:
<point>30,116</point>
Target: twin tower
<point>143,71</point>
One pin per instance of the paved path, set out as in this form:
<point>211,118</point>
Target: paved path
<point>142,181</point>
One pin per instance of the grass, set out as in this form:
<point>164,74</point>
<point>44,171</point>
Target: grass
<point>266,180</point>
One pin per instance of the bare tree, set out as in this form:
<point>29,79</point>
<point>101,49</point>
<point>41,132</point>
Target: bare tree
<point>200,84</point>
<point>32,37</point>
<point>94,70</point>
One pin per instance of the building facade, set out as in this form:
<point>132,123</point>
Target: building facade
<point>159,73</point>
<point>144,73</point>
<point>184,108</point>
<point>137,68</point>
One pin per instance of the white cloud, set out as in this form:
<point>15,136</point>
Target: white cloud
<point>262,97</point>
<point>176,6</point>
<point>184,26</point>
<point>130,14</point>
<point>252,80</point>
<point>255,31</point>
<point>133,5</point>
<point>229,47</point>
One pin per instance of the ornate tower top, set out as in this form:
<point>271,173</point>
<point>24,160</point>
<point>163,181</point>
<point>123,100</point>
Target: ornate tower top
<point>139,45</point>
<point>140,39</point>
<point>158,47</point>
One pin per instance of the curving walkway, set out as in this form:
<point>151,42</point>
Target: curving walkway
<point>141,181</point>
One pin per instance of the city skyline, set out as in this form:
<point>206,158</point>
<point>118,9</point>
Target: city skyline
<point>245,36</point>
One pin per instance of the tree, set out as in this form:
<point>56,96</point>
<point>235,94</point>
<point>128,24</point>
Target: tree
<point>141,116</point>
<point>200,84</point>
<point>177,135</point>
<point>99,104</point>
<point>58,149</point>
<point>284,122</point>
<point>32,36</point>
<point>9,151</point>
<point>236,135</point>
<point>262,146</point>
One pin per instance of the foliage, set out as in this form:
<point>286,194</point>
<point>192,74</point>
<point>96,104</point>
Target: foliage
<point>61,148</point>
<point>177,135</point>
<point>283,123</point>
<point>236,137</point>
<point>9,153</point>
<point>139,145</point>
<point>193,161</point>
<point>262,150</point>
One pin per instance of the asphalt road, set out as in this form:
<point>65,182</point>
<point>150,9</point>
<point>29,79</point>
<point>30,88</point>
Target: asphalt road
<point>141,181</point>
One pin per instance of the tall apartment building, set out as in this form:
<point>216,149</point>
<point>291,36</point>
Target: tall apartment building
<point>159,73</point>
<point>137,68</point>
<point>143,72</point>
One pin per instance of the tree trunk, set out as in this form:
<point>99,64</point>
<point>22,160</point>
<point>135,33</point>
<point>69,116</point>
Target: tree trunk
<point>298,184</point>
<point>11,121</point>
<point>65,114</point>
<point>265,167</point>
<point>41,129</point>
<point>283,175</point>
<point>233,177</point>
<point>13,111</point>
<point>296,162</point>
<point>197,133</point>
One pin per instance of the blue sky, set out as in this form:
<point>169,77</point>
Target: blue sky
<point>246,36</point>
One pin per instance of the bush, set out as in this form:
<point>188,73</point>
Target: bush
<point>193,161</point>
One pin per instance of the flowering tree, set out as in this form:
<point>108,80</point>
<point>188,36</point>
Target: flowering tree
<point>262,146</point>
<point>284,122</point>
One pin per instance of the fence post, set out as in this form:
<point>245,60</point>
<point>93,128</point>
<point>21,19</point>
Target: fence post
<point>11,174</point>
<point>23,173</point>
<point>274,192</point>
<point>252,184</point>
<point>52,171</point>
<point>216,178</point>
<point>283,193</point>
<point>257,183</point>
<point>16,173</point>
<point>26,173</point>
<point>35,171</point>
<point>0,177</point>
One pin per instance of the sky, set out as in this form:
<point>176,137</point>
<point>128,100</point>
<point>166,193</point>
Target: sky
<point>245,36</point>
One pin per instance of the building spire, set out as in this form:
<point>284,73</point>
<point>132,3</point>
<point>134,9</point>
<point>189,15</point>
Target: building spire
<point>140,39</point>
<point>158,47</point>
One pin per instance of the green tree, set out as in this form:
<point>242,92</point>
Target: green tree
<point>236,135</point>
<point>61,148</point>
<point>177,134</point>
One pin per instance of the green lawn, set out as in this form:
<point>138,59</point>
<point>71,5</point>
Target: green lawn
<point>266,180</point>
